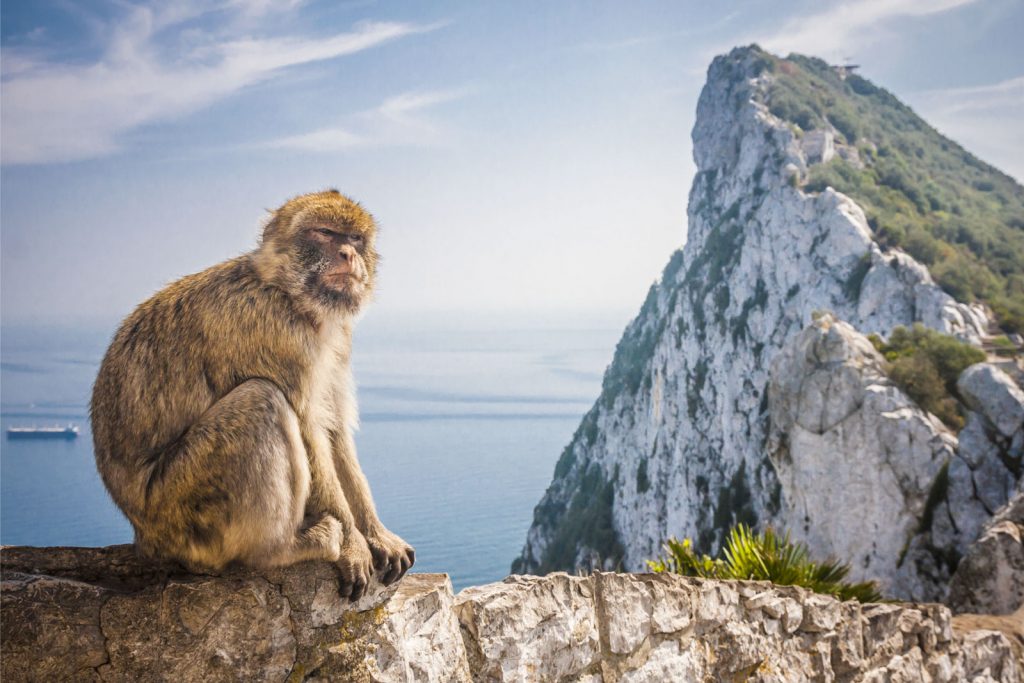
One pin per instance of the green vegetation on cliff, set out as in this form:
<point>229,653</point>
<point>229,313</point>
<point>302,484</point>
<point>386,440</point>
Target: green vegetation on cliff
<point>921,191</point>
<point>925,364</point>
<point>585,523</point>
<point>765,557</point>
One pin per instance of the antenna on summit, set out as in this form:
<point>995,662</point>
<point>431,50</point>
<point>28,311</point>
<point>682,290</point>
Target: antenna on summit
<point>846,68</point>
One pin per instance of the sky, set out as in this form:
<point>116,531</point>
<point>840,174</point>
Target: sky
<point>521,158</point>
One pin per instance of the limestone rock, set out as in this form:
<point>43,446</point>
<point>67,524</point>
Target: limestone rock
<point>643,627</point>
<point>50,628</point>
<point>990,578</point>
<point>99,614</point>
<point>818,146</point>
<point>991,446</point>
<point>526,629</point>
<point>847,444</point>
<point>676,443</point>
<point>990,391</point>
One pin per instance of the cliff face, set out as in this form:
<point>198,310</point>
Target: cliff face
<point>680,443</point>
<point>869,476</point>
<point>990,578</point>
<point>98,614</point>
<point>855,457</point>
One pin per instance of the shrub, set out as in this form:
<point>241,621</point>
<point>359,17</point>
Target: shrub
<point>845,122</point>
<point>765,557</point>
<point>922,246</point>
<point>1010,313</point>
<point>949,355</point>
<point>919,380</point>
<point>925,364</point>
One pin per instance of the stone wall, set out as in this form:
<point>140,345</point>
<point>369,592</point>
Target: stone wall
<point>100,614</point>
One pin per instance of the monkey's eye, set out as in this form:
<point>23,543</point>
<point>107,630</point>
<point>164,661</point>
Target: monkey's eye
<point>355,239</point>
<point>325,232</point>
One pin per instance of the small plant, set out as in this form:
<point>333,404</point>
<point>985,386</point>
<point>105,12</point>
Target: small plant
<point>765,557</point>
<point>925,364</point>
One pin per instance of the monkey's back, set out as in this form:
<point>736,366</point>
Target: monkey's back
<point>179,352</point>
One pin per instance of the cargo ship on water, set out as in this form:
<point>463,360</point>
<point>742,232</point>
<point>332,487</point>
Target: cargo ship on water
<point>67,433</point>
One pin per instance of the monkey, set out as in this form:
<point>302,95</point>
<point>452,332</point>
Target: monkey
<point>223,411</point>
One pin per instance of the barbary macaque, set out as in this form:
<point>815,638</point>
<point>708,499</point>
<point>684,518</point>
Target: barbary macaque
<point>223,412</point>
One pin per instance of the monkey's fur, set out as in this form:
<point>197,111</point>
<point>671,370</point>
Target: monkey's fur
<point>223,410</point>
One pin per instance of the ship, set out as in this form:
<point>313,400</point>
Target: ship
<point>67,433</point>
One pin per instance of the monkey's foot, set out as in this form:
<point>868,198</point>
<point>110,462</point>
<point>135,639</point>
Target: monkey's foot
<point>391,555</point>
<point>323,539</point>
<point>355,565</point>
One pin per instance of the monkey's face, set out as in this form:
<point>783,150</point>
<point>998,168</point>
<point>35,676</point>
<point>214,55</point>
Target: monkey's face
<point>320,248</point>
<point>334,263</point>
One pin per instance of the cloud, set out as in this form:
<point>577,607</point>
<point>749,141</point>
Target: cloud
<point>985,119</point>
<point>847,26</point>
<point>323,140</point>
<point>1008,94</point>
<point>252,8</point>
<point>403,108</point>
<point>155,66</point>
<point>398,120</point>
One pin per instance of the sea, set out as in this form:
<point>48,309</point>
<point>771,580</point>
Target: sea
<point>462,420</point>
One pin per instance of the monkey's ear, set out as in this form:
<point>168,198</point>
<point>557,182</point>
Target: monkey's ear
<point>271,225</point>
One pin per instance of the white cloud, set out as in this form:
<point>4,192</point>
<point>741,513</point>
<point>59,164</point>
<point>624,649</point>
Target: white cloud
<point>403,109</point>
<point>261,7</point>
<point>848,26</point>
<point>398,120</point>
<point>56,112</point>
<point>323,140</point>
<point>985,119</point>
<point>1004,94</point>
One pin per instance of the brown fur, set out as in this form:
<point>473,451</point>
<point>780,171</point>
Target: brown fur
<point>223,410</point>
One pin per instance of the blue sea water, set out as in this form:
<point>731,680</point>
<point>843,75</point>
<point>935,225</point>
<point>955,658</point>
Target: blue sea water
<point>462,423</point>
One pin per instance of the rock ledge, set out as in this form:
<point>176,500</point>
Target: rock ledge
<point>101,614</point>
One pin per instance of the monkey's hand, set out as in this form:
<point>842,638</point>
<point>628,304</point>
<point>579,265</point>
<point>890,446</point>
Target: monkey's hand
<point>391,555</point>
<point>355,565</point>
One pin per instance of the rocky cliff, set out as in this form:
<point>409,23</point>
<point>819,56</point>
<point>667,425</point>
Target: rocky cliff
<point>990,577</point>
<point>686,438</point>
<point>99,614</point>
<point>868,475</point>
